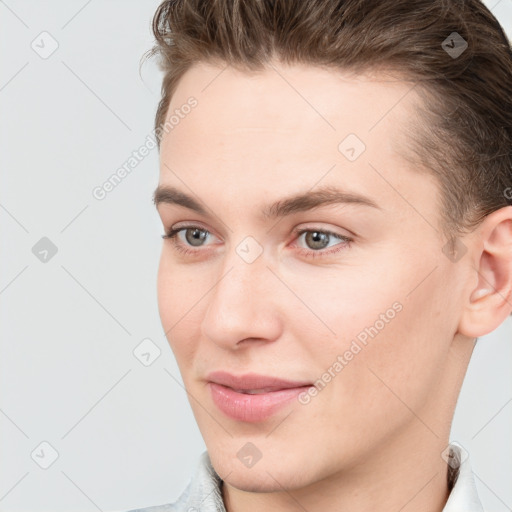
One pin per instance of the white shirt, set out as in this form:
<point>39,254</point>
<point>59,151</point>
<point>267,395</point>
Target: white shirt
<point>463,496</point>
<point>204,494</point>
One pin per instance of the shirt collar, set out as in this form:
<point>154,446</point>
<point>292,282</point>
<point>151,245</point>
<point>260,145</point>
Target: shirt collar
<point>463,496</point>
<point>204,491</point>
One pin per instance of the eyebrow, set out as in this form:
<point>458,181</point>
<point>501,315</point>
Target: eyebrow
<point>303,201</point>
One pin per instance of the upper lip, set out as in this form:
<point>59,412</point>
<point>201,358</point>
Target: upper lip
<point>251,381</point>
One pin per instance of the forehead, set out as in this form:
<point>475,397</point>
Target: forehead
<point>289,127</point>
<point>292,106</point>
<point>288,96</point>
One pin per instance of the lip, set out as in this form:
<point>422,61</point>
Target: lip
<point>228,394</point>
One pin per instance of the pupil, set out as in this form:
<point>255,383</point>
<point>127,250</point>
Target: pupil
<point>197,236</point>
<point>317,237</point>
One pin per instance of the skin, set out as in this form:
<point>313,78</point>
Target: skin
<point>372,438</point>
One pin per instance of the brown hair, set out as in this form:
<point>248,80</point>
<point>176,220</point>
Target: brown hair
<point>464,133</point>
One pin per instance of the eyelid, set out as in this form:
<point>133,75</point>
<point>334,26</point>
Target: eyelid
<point>297,231</point>
<point>185,224</point>
<point>175,230</point>
<point>333,231</point>
<point>179,226</point>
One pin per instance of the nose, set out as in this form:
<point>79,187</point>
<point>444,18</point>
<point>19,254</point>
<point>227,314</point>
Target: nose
<point>243,306</point>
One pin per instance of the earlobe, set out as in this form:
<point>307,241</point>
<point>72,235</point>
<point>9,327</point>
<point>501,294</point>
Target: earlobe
<point>490,301</point>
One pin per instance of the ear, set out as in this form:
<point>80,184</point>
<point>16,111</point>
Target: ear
<point>490,302</point>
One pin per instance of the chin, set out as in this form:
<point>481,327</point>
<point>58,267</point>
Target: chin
<point>250,484</point>
<point>270,475</point>
<point>261,481</point>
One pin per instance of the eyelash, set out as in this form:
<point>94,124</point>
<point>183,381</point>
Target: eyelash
<point>310,253</point>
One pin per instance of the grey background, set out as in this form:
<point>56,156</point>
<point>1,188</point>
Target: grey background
<point>124,432</point>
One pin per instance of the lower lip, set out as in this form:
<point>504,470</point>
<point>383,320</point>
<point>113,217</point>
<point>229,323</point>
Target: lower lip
<point>251,408</point>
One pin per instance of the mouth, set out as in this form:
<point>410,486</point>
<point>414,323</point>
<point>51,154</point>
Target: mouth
<point>251,397</point>
<point>256,391</point>
<point>253,382</point>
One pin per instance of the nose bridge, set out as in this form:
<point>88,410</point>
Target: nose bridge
<point>240,305</point>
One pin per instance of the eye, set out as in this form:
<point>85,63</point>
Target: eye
<point>319,239</point>
<point>194,235</point>
<point>197,234</point>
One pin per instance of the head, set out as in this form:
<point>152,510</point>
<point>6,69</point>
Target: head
<point>344,170</point>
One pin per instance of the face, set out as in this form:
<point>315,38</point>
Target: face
<point>352,301</point>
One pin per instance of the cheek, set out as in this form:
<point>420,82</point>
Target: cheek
<point>179,295</point>
<point>400,360</point>
<point>392,336</point>
<point>179,288</point>
<point>348,302</point>
<point>166,292</point>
